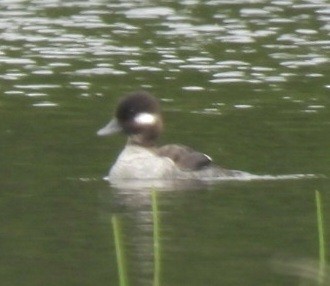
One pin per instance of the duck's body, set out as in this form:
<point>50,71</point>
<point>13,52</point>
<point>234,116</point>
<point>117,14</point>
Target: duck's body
<point>138,115</point>
<point>136,162</point>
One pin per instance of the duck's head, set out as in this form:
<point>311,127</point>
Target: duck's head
<point>138,115</point>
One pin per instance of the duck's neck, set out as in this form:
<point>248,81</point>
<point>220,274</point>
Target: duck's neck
<point>140,140</point>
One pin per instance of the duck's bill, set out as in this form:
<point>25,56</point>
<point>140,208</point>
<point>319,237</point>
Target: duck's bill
<point>111,128</point>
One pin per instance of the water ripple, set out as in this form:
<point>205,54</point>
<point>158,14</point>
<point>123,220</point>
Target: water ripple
<point>149,13</point>
<point>260,43</point>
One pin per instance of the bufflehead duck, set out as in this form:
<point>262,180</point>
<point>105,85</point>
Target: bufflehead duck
<point>138,115</point>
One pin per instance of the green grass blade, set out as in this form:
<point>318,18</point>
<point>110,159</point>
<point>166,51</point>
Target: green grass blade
<point>123,281</point>
<point>156,238</point>
<point>320,226</point>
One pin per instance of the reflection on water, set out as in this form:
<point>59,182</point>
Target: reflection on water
<point>306,269</point>
<point>133,205</point>
<point>134,211</point>
<point>131,186</point>
<point>218,39</point>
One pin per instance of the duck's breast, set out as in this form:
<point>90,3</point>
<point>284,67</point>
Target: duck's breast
<point>136,162</point>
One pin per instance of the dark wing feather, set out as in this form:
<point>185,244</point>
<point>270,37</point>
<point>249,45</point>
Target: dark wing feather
<point>185,157</point>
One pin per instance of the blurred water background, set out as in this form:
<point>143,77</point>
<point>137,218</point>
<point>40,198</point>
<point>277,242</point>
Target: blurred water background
<point>246,82</point>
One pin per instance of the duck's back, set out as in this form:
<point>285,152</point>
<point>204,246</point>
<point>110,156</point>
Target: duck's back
<point>140,163</point>
<point>185,158</point>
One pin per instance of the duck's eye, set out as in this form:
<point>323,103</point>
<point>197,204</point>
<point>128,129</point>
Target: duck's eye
<point>145,118</point>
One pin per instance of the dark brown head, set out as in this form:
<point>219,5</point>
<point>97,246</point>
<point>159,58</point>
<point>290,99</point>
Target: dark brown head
<point>139,116</point>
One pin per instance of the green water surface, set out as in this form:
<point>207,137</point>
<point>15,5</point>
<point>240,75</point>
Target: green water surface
<point>246,82</point>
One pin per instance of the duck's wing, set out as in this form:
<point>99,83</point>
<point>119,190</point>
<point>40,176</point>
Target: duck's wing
<point>185,157</point>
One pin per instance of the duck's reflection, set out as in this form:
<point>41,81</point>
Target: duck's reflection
<point>135,206</point>
<point>135,211</point>
<point>308,270</point>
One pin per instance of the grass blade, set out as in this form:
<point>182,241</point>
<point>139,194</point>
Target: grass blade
<point>119,251</point>
<point>320,226</point>
<point>156,238</point>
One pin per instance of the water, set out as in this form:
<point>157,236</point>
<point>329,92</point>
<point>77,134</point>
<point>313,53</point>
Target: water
<point>245,82</point>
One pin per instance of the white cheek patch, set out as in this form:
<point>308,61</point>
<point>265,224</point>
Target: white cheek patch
<point>145,118</point>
